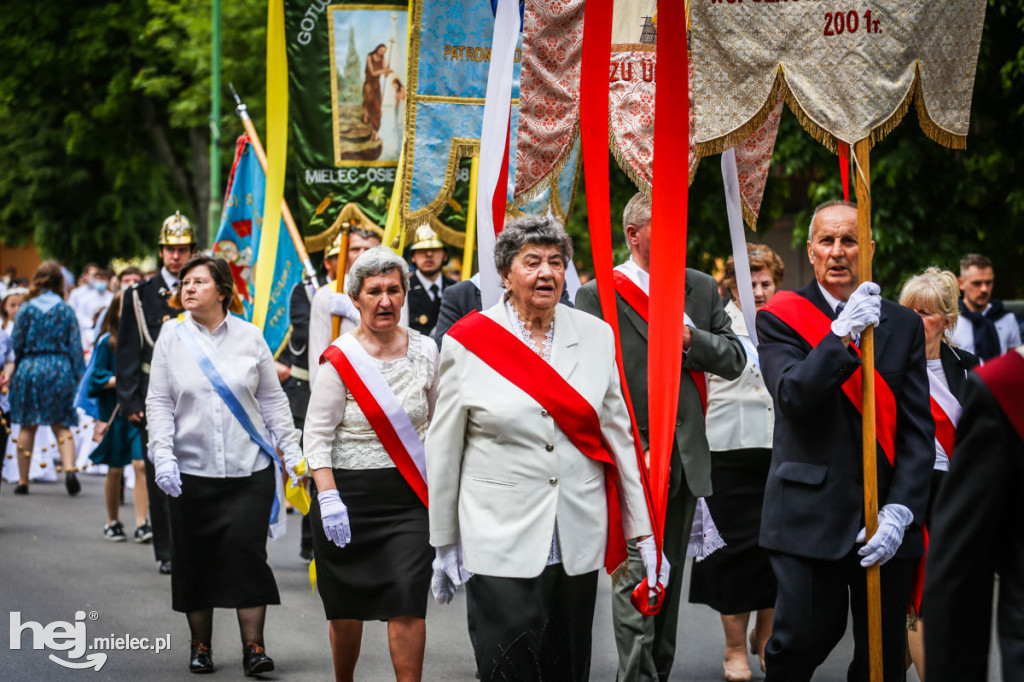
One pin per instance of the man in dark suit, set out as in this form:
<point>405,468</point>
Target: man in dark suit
<point>646,646</point>
<point>427,284</point>
<point>459,300</point>
<point>976,533</point>
<point>814,499</point>
<point>143,312</point>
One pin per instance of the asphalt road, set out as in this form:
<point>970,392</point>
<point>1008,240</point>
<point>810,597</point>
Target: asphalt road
<point>54,563</point>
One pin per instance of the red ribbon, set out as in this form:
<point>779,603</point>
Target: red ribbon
<point>812,325</point>
<point>636,299</point>
<point>575,417</point>
<point>596,54</point>
<point>382,426</point>
<point>844,168</point>
<point>945,432</point>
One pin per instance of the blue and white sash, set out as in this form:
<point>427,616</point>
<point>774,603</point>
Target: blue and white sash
<point>243,408</point>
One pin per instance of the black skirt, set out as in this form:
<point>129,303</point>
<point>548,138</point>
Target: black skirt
<point>737,578</point>
<point>384,572</point>
<point>219,542</point>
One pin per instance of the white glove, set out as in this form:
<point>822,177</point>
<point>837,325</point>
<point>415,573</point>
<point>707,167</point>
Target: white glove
<point>863,309</point>
<point>167,477</point>
<point>342,305</point>
<point>296,469</point>
<point>893,520</point>
<point>449,575</point>
<point>649,555</point>
<point>334,516</point>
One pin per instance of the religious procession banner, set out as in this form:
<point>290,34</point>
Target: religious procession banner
<point>347,65</point>
<point>549,103</point>
<point>849,71</point>
<point>449,55</point>
<point>238,242</point>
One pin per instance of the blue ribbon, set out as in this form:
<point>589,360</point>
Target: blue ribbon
<point>234,406</point>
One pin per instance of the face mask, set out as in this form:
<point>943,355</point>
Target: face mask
<point>99,284</point>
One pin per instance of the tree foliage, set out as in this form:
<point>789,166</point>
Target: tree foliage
<point>104,118</point>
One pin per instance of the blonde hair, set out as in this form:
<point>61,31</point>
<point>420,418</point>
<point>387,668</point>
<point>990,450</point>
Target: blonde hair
<point>937,290</point>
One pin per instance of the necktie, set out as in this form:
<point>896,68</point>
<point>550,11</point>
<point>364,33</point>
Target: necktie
<point>434,293</point>
<point>839,308</point>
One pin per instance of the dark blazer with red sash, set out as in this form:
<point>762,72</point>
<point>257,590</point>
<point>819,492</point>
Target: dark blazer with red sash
<point>976,532</point>
<point>714,348</point>
<point>814,496</point>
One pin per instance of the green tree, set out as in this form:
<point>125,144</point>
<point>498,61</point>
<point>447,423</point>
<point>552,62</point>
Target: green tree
<point>104,126</point>
<point>351,80</point>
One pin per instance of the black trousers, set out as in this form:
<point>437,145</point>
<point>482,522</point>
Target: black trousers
<point>533,629</point>
<point>814,598</point>
<point>158,516</point>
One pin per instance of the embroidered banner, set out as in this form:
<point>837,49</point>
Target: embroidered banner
<point>849,71</point>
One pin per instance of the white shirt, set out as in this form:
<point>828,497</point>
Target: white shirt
<point>642,279</point>
<point>189,421</point>
<point>427,283</point>
<point>941,456</point>
<point>170,280</point>
<point>740,412</point>
<point>962,334</point>
<point>329,426</point>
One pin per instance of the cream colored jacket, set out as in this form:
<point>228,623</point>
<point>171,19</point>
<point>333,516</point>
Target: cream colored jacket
<point>501,472</point>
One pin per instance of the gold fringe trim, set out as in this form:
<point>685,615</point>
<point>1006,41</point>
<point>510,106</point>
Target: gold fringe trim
<point>749,217</point>
<point>824,137</point>
<point>538,187</point>
<point>350,213</point>
<point>461,148</point>
<point>641,184</point>
<point>448,235</point>
<point>621,571</point>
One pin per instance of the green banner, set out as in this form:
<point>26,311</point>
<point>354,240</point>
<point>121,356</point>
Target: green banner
<point>347,65</point>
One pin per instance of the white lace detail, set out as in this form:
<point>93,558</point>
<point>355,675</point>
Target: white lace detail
<point>519,329</point>
<point>356,445</point>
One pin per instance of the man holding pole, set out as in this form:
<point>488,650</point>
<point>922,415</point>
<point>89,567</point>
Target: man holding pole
<point>813,519</point>
<point>646,646</point>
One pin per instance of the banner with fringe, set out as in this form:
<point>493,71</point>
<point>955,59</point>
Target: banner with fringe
<point>849,72</point>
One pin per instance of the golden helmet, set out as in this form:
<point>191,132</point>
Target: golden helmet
<point>177,231</point>
<point>426,238</point>
<point>335,248</point>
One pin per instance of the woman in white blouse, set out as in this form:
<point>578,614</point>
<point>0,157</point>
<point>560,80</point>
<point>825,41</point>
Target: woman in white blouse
<point>369,521</point>
<point>215,468</point>
<point>738,579</point>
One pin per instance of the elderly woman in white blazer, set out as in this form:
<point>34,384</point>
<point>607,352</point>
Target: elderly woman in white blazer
<point>529,507</point>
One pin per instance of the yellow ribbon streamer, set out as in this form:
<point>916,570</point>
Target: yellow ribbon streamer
<point>277,147</point>
<point>312,575</point>
<point>394,223</point>
<point>467,252</point>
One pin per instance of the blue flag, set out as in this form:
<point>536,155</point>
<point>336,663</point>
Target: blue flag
<point>238,242</point>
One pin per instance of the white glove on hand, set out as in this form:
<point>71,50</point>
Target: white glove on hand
<point>342,306</point>
<point>649,555</point>
<point>863,309</point>
<point>167,477</point>
<point>449,575</point>
<point>334,516</point>
<point>893,520</point>
<point>296,469</point>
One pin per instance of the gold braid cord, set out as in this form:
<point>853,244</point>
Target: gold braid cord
<point>351,215</point>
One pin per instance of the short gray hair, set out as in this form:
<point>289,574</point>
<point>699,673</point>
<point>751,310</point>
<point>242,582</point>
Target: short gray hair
<point>380,260</point>
<point>530,229</point>
<point>821,207</point>
<point>637,212</point>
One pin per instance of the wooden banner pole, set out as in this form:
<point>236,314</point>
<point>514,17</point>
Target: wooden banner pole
<point>867,350</point>
<point>339,283</point>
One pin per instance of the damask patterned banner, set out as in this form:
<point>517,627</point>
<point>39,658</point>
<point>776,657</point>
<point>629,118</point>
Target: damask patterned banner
<point>849,71</point>
<point>347,92</point>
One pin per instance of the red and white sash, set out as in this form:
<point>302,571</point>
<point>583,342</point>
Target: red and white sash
<point>803,317</point>
<point>946,413</point>
<point>637,299</point>
<point>383,410</point>
<point>500,350</point>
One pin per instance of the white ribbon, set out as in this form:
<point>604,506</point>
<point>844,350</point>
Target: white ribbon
<point>730,175</point>
<point>375,382</point>
<point>497,111</point>
<point>949,404</point>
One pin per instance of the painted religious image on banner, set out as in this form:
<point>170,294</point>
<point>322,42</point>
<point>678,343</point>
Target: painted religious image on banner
<point>368,89</point>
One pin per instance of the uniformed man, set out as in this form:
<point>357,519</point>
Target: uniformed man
<point>428,256</point>
<point>144,310</point>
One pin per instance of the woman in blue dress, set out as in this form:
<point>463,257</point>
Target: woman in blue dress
<point>48,365</point>
<point>122,444</point>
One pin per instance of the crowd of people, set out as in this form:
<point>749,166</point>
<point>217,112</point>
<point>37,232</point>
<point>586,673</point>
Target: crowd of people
<point>503,452</point>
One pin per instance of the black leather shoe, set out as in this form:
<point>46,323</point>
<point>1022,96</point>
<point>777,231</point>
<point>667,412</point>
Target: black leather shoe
<point>165,567</point>
<point>21,489</point>
<point>255,660</point>
<point>200,658</point>
<point>72,484</point>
